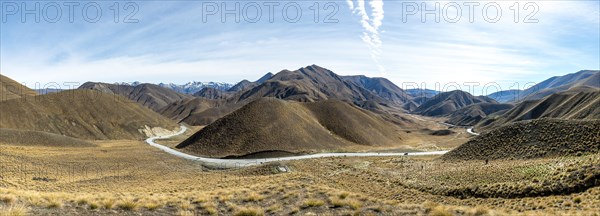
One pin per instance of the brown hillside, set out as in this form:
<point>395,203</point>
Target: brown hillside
<point>532,139</point>
<point>577,103</point>
<point>148,95</point>
<point>270,124</point>
<point>558,84</point>
<point>212,93</point>
<point>82,114</point>
<point>37,138</point>
<point>197,111</point>
<point>308,84</point>
<point>10,89</point>
<point>472,114</point>
<point>448,102</point>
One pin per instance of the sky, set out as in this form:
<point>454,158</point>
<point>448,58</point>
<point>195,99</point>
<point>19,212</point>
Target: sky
<point>503,44</point>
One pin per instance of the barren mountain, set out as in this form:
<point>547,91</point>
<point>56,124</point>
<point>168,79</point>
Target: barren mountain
<point>198,111</point>
<point>82,114</point>
<point>506,96</point>
<point>577,103</point>
<point>557,84</point>
<point>472,114</point>
<point>426,93</point>
<point>309,84</point>
<point>212,93</point>
<point>269,124</point>
<point>10,89</point>
<point>148,95</point>
<point>264,78</point>
<point>532,139</point>
<point>243,85</point>
<point>382,87</point>
<point>448,102</point>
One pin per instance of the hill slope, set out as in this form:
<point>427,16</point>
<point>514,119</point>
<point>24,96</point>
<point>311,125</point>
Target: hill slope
<point>532,139</point>
<point>308,84</point>
<point>380,86</point>
<point>506,96</point>
<point>148,95</point>
<point>448,102</point>
<point>557,84</point>
<point>270,124</point>
<point>37,138</point>
<point>197,111</point>
<point>472,114</point>
<point>212,93</point>
<point>577,103</point>
<point>82,114</point>
<point>10,89</point>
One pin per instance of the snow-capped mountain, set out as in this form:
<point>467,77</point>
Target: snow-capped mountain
<point>188,88</point>
<point>193,87</point>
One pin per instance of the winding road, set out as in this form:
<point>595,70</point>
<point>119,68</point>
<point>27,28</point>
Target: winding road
<point>217,163</point>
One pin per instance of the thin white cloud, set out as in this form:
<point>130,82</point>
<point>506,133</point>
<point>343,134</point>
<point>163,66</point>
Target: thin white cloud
<point>370,25</point>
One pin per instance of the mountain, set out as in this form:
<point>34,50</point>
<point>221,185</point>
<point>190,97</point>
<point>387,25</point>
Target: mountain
<point>198,111</point>
<point>576,103</point>
<point>212,93</point>
<point>426,93</point>
<point>381,87</point>
<point>148,95</point>
<point>472,114</point>
<point>273,125</point>
<point>308,84</point>
<point>193,87</point>
<point>264,78</point>
<point>10,89</point>
<point>590,78</point>
<point>242,86</point>
<point>532,139</point>
<point>448,102</point>
<point>311,83</point>
<point>84,114</point>
<point>506,96</point>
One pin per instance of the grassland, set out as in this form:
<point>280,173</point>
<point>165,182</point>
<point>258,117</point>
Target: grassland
<point>131,178</point>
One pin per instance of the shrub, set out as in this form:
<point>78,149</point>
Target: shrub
<point>313,203</point>
<point>128,205</point>
<point>252,211</point>
<point>440,211</point>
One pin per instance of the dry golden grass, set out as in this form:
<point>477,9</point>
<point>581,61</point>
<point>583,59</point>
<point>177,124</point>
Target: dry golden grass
<point>14,210</point>
<point>160,184</point>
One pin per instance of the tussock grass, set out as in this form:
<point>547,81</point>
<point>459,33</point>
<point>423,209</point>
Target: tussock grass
<point>249,211</point>
<point>14,210</point>
<point>128,205</point>
<point>313,203</point>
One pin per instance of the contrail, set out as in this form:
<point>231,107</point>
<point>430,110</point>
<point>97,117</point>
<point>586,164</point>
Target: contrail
<point>370,25</point>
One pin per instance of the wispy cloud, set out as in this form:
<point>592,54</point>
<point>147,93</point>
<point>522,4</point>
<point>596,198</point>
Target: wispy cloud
<point>370,24</point>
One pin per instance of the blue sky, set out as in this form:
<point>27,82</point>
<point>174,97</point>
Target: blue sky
<point>172,43</point>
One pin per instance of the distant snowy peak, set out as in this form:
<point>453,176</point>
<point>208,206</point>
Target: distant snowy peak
<point>193,87</point>
<point>188,88</point>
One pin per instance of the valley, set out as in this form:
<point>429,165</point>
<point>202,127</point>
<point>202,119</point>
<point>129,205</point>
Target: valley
<point>300,142</point>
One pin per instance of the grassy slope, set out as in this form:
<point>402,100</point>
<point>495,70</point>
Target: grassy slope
<point>532,139</point>
<point>82,114</point>
<point>37,138</point>
<point>10,89</point>
<point>270,124</point>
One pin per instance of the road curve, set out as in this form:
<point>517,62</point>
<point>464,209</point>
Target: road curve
<point>469,130</point>
<point>218,163</point>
